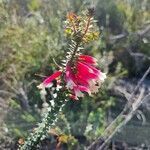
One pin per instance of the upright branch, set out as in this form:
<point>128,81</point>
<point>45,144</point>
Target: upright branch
<point>71,82</point>
<point>49,118</point>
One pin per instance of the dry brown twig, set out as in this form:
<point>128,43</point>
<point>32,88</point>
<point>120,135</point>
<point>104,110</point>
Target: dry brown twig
<point>123,118</point>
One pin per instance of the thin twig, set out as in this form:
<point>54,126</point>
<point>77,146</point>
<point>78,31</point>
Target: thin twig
<point>131,99</point>
<point>124,122</point>
<point>128,109</point>
<point>39,75</point>
<point>87,27</point>
<point>127,119</point>
<point>141,33</point>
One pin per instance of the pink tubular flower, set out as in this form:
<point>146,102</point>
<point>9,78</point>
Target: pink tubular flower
<point>83,76</point>
<point>47,82</point>
<point>88,59</point>
<point>80,76</point>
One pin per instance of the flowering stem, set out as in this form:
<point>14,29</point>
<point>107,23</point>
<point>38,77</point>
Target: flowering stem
<point>74,28</point>
<point>74,52</point>
<point>87,26</point>
<point>71,76</point>
<point>80,41</point>
<point>50,117</point>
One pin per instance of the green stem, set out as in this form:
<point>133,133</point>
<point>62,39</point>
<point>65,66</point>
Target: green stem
<point>78,42</point>
<point>49,119</point>
<point>74,52</point>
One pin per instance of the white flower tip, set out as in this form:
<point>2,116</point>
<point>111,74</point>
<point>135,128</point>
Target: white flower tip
<point>55,95</point>
<point>43,91</point>
<point>89,92</point>
<point>41,86</point>
<point>78,93</point>
<point>52,102</point>
<point>103,76</point>
<point>49,85</point>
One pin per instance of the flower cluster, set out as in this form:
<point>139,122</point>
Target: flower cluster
<point>81,76</point>
<point>79,73</point>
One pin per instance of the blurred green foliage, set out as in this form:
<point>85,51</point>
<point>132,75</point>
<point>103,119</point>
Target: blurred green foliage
<point>32,34</point>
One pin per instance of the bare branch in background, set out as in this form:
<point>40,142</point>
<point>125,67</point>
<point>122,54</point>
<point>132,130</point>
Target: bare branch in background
<point>123,118</point>
<point>141,33</point>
